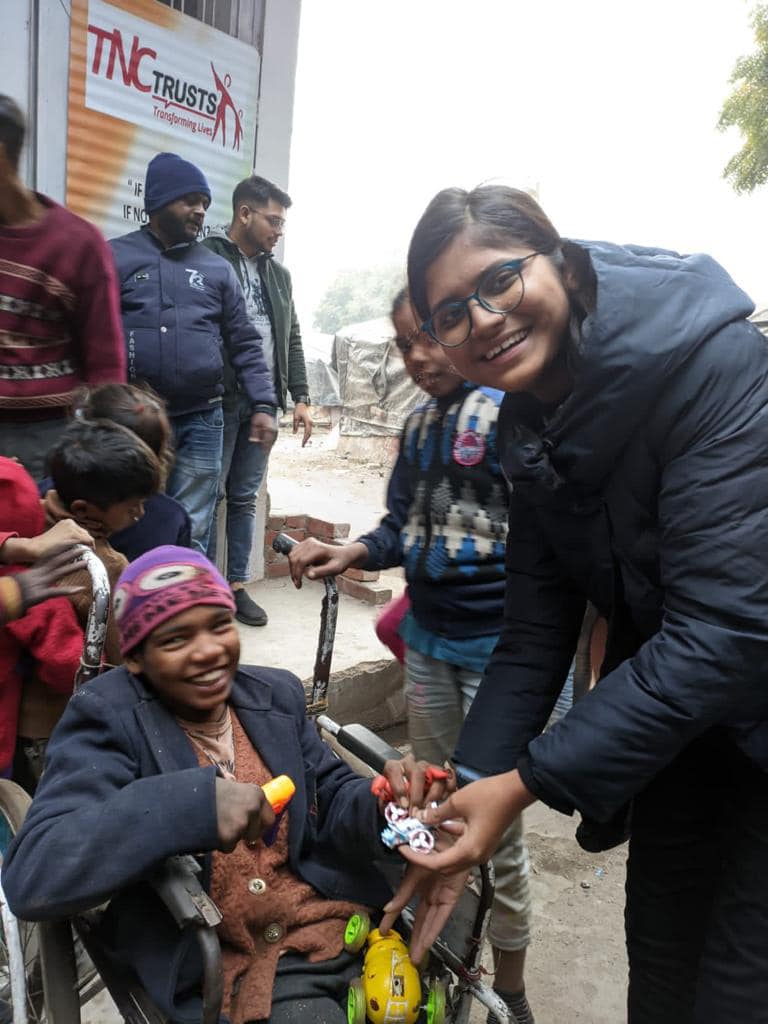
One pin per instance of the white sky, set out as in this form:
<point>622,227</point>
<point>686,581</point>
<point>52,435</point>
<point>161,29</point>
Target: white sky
<point>608,106</point>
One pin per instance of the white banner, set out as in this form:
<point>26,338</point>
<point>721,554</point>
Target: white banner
<point>174,84</point>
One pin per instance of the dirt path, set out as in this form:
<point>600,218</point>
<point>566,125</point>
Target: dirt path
<point>576,970</point>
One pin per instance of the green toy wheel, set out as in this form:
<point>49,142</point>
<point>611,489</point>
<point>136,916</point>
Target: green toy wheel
<point>356,1002</point>
<point>436,1002</point>
<point>356,932</point>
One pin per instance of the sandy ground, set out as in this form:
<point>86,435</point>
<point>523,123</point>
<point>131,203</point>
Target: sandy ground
<point>576,971</point>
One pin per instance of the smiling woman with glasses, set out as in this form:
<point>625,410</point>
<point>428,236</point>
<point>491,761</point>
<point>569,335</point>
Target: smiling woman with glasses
<point>633,436</point>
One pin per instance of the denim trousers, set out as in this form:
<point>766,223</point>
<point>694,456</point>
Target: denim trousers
<point>30,443</point>
<point>194,479</point>
<point>439,696</point>
<point>697,896</point>
<point>243,466</point>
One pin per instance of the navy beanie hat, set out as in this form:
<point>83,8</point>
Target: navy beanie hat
<point>169,177</point>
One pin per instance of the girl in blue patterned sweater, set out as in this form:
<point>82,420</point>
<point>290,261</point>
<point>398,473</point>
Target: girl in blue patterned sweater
<point>446,525</point>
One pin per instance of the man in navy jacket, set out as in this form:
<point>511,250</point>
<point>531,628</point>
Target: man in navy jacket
<point>182,307</point>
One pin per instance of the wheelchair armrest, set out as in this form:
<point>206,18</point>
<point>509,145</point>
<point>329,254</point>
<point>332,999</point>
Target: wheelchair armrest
<point>178,886</point>
<point>360,741</point>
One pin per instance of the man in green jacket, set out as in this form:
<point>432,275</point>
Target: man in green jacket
<point>258,222</point>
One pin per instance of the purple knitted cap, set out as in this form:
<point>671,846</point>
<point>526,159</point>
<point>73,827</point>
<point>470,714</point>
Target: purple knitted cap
<point>159,585</point>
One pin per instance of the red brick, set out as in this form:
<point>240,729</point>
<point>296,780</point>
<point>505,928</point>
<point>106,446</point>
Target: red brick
<point>364,591</point>
<point>324,530</point>
<point>361,575</point>
<point>296,522</point>
<point>274,569</point>
<point>276,522</point>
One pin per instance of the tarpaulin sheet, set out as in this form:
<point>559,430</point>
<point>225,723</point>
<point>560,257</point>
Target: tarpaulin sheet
<point>375,391</point>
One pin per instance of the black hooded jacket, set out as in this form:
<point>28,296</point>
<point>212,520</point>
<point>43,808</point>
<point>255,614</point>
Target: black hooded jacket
<point>646,491</point>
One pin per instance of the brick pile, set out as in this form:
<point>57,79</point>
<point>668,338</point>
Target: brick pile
<point>358,583</point>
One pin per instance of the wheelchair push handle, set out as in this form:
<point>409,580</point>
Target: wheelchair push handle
<point>96,625</point>
<point>318,703</point>
<point>283,544</point>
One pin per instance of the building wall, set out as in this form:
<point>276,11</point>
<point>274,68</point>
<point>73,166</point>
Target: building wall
<point>278,76</point>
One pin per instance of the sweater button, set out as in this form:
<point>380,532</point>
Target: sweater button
<point>257,886</point>
<point>163,330</point>
<point>273,933</point>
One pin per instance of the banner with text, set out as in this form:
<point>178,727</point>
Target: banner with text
<point>145,79</point>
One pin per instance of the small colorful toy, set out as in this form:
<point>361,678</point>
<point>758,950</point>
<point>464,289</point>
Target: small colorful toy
<point>278,792</point>
<point>382,790</point>
<point>403,830</point>
<point>389,990</point>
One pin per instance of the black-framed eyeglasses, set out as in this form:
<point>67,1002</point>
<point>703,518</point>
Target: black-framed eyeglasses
<point>500,290</point>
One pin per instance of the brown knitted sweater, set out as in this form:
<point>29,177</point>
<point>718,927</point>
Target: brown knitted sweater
<point>267,909</point>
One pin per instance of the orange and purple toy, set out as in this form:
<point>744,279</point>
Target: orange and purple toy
<point>278,792</point>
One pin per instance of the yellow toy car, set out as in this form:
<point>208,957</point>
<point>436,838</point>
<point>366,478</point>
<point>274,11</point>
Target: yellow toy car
<point>389,991</point>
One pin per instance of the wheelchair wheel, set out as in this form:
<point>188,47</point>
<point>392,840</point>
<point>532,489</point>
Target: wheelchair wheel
<point>356,1002</point>
<point>436,1002</point>
<point>22,958</point>
<point>356,932</point>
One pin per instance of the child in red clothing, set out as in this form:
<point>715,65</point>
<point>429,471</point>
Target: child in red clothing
<point>46,641</point>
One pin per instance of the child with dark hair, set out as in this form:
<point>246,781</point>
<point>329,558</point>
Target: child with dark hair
<point>165,521</point>
<point>40,639</point>
<point>102,474</point>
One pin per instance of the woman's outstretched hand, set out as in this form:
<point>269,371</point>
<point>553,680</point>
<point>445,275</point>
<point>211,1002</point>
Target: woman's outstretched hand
<point>470,825</point>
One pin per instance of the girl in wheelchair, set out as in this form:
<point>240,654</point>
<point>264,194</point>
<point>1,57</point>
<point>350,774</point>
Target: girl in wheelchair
<point>167,755</point>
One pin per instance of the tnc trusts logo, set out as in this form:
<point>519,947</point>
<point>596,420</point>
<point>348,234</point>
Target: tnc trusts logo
<point>138,71</point>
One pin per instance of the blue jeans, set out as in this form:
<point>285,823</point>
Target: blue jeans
<point>194,480</point>
<point>243,466</point>
<point>564,702</point>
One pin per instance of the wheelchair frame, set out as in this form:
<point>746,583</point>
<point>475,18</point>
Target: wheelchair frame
<point>178,885</point>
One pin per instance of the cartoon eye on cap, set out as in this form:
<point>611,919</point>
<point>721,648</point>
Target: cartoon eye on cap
<point>166,576</point>
<point>119,602</point>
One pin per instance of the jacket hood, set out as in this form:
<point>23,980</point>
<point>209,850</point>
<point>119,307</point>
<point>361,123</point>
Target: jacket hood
<point>654,309</point>
<point>19,500</point>
<point>222,234</point>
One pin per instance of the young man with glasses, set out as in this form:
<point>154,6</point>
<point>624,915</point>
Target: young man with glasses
<point>258,222</point>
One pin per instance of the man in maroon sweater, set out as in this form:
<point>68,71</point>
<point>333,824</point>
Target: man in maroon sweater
<point>60,322</point>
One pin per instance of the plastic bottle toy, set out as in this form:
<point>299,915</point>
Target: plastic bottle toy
<point>403,830</point>
<point>389,990</point>
<point>278,792</point>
